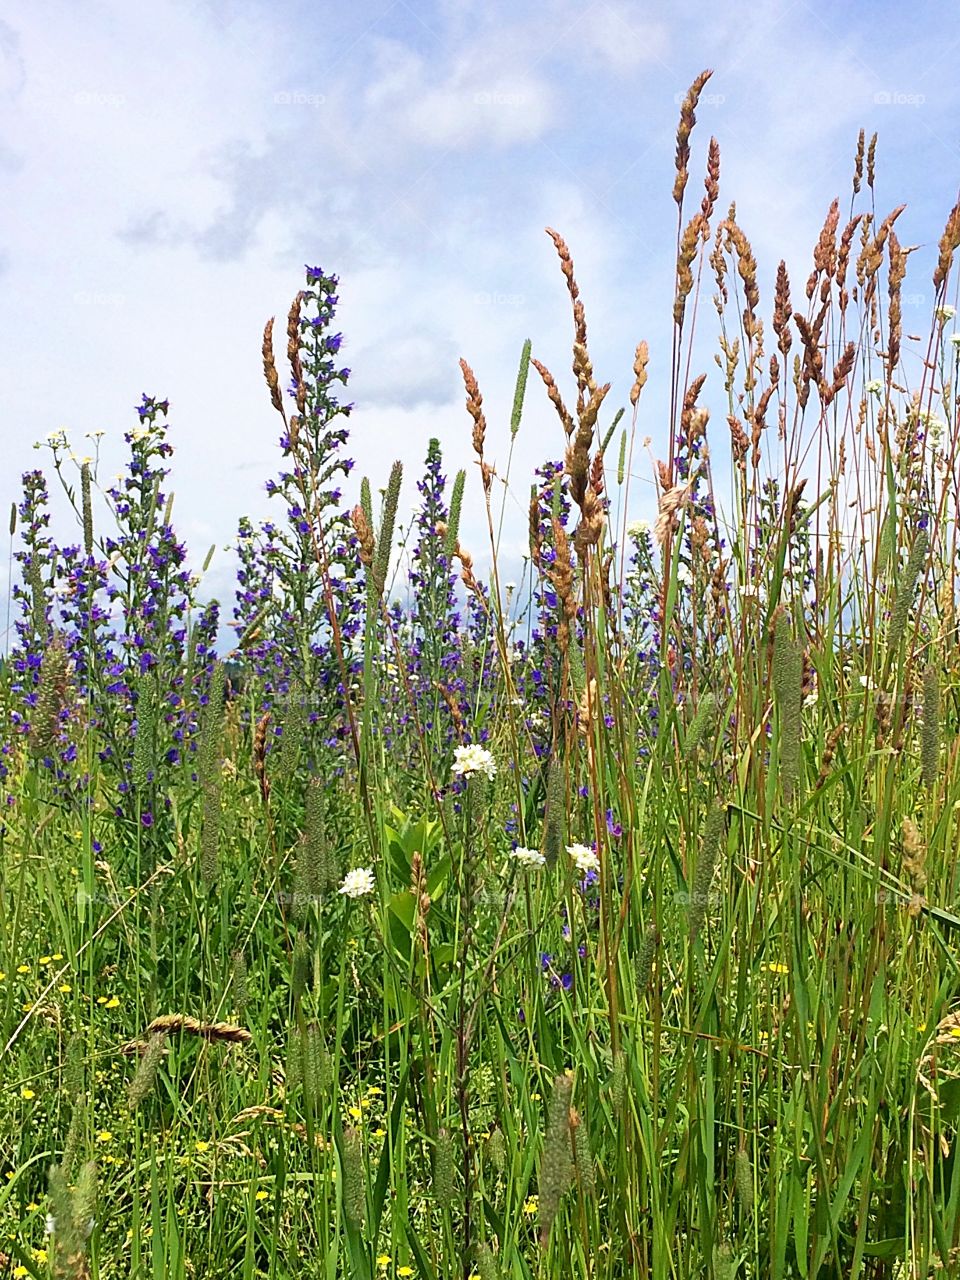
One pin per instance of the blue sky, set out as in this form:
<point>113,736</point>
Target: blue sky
<point>168,169</point>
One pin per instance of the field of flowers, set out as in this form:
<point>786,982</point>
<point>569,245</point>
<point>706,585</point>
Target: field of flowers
<point>603,923</point>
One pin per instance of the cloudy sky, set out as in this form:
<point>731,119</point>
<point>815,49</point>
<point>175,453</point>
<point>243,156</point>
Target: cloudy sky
<point>168,169</point>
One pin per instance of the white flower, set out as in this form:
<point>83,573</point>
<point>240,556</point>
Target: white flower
<point>584,858</point>
<point>528,857</point>
<point>637,528</point>
<point>875,385</point>
<point>358,883</point>
<point>684,574</point>
<point>945,313</point>
<point>867,683</point>
<point>473,759</point>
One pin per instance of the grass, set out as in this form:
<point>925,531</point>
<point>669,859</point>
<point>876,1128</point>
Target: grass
<point>279,999</point>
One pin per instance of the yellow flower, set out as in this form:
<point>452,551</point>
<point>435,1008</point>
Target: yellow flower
<point>101,999</point>
<point>23,968</point>
<point>383,1260</point>
<point>66,988</point>
<point>113,1003</point>
<point>262,1195</point>
<point>27,1093</point>
<point>3,976</point>
<point>530,1205</point>
<point>201,1146</point>
<point>32,1207</point>
<point>40,1255</point>
<point>776,967</point>
<point>56,956</point>
<point>45,959</point>
<point>356,1113</point>
<point>104,1136</point>
<point>404,1271</point>
<point>379,1133</point>
<point>21,1270</point>
<point>374,1091</point>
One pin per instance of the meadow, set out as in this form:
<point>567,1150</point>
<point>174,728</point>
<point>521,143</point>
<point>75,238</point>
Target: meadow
<point>603,923</point>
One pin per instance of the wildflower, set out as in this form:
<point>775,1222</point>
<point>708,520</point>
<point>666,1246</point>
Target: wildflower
<point>104,1136</point>
<point>201,1146</point>
<point>26,1093</point>
<point>262,1195</point>
<point>776,967</point>
<point>356,1113</point>
<point>66,988</point>
<point>473,759</point>
<point>358,882</point>
<point>583,857</point>
<point>637,528</point>
<point>113,1003</point>
<point>528,857</point>
<point>874,387</point>
<point>404,1271</point>
<point>45,959</point>
<point>945,312</point>
<point>383,1260</point>
<point>955,339</point>
<point>530,1206</point>
<point>23,968</point>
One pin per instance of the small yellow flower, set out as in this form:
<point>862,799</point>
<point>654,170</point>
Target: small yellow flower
<point>776,967</point>
<point>104,1136</point>
<point>262,1195</point>
<point>23,968</point>
<point>3,976</point>
<point>379,1133</point>
<point>101,999</point>
<point>40,1255</point>
<point>404,1271</point>
<point>26,1007</point>
<point>32,1207</point>
<point>530,1205</point>
<point>201,1146</point>
<point>45,959</point>
<point>56,956</point>
<point>20,1270</point>
<point>27,1093</point>
<point>65,987</point>
<point>113,1003</point>
<point>356,1113</point>
<point>374,1091</point>
<point>383,1260</point>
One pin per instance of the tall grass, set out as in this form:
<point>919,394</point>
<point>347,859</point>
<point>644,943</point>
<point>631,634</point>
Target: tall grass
<point>602,924</point>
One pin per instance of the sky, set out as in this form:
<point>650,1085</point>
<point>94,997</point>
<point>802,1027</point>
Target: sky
<point>169,169</point>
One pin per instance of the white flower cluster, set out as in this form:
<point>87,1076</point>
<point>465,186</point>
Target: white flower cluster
<point>583,857</point>
<point>473,759</point>
<point>528,857</point>
<point>358,883</point>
